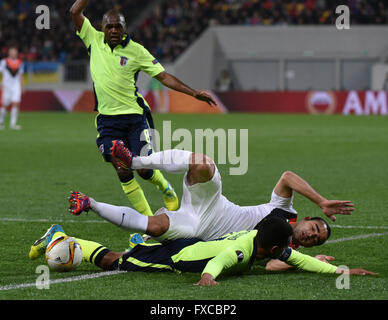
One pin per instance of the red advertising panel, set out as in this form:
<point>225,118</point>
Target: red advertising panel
<point>314,102</point>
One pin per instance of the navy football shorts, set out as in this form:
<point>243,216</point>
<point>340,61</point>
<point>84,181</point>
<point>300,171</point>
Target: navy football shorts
<point>157,257</point>
<point>132,129</point>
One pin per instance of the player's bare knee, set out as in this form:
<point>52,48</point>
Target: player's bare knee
<point>287,174</point>
<point>158,225</point>
<point>201,168</point>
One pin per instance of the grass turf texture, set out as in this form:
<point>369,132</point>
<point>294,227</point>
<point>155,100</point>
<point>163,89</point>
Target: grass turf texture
<point>341,157</point>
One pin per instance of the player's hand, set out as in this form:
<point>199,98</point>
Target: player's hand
<point>361,272</point>
<point>206,280</point>
<point>203,96</point>
<point>357,271</point>
<point>324,258</point>
<point>332,207</point>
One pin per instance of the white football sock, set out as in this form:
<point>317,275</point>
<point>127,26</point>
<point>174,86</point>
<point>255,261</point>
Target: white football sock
<point>14,116</point>
<point>123,217</point>
<point>172,161</point>
<point>3,112</point>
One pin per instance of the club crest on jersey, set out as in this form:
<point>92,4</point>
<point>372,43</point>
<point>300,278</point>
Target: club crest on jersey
<point>123,61</point>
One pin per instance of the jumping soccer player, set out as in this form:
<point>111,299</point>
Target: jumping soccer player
<point>232,254</point>
<point>205,213</point>
<point>115,62</point>
<point>12,87</point>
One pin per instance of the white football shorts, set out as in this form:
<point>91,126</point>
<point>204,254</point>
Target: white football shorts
<point>201,206</point>
<point>10,95</point>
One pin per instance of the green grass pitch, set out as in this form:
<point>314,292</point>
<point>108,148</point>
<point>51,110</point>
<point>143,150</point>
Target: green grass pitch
<point>341,157</point>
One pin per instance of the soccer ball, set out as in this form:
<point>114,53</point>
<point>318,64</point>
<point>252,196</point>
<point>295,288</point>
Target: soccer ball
<point>63,254</point>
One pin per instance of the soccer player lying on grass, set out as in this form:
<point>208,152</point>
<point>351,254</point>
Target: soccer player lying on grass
<point>205,213</point>
<point>233,253</point>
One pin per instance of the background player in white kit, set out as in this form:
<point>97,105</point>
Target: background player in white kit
<point>205,213</point>
<point>12,87</point>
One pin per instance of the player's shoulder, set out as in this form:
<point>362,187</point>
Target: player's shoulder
<point>137,47</point>
<point>134,45</point>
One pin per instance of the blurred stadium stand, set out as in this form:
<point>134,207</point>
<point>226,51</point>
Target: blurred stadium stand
<point>264,44</point>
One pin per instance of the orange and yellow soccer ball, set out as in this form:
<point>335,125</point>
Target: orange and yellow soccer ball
<point>63,254</point>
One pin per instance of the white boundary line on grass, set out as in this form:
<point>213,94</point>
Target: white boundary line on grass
<point>357,227</point>
<point>360,236</point>
<point>71,279</point>
<point>109,273</point>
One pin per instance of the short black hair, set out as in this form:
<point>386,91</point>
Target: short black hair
<point>327,227</point>
<point>113,12</point>
<point>273,231</point>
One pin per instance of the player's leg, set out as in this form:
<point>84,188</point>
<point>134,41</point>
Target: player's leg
<point>155,177</point>
<point>40,245</point>
<point>3,113</point>
<point>5,102</point>
<point>199,167</point>
<point>92,252</point>
<point>14,116</point>
<point>123,217</point>
<point>139,142</point>
<point>16,97</point>
<point>110,128</point>
<point>131,188</point>
<point>170,225</point>
<point>98,254</point>
<point>15,104</point>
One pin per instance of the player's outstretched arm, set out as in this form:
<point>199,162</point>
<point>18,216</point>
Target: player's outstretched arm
<point>305,262</point>
<point>289,182</point>
<point>174,83</point>
<point>277,265</point>
<point>76,11</point>
<point>357,271</point>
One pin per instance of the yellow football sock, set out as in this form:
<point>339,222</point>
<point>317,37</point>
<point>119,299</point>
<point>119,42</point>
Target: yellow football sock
<point>136,196</point>
<point>159,180</point>
<point>170,198</point>
<point>90,249</point>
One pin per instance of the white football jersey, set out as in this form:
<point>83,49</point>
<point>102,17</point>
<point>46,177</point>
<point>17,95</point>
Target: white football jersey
<point>206,214</point>
<point>12,70</point>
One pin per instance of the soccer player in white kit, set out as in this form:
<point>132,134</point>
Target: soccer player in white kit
<point>205,213</point>
<point>12,87</point>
